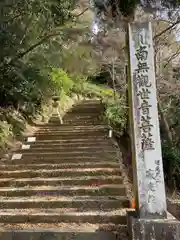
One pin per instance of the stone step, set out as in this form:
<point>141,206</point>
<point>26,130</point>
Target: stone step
<point>59,158</point>
<point>69,152</point>
<point>52,234</point>
<point>82,116</point>
<point>81,142</point>
<point>64,227</point>
<point>56,160</point>
<point>72,165</point>
<point>66,148</point>
<point>91,139</point>
<point>105,190</point>
<point>60,181</point>
<point>55,215</point>
<point>86,112</point>
<point>81,203</point>
<point>71,137</point>
<point>83,135</point>
<point>63,154</point>
<point>70,145</point>
<point>68,182</point>
<point>73,144</point>
<point>85,107</point>
<point>71,123</point>
<point>61,172</point>
<point>82,111</point>
<point>79,110</point>
<point>82,121</point>
<point>92,111</point>
<point>63,231</point>
<point>69,131</point>
<point>72,133</point>
<point>47,126</point>
<point>65,127</point>
<point>89,102</point>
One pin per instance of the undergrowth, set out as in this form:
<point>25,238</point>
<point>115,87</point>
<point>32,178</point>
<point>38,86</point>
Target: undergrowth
<point>14,120</point>
<point>116,114</point>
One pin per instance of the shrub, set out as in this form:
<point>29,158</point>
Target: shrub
<point>5,133</point>
<point>100,91</point>
<point>171,163</point>
<point>61,82</point>
<point>116,113</point>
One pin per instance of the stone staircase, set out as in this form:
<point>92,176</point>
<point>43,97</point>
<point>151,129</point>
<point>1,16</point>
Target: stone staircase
<point>65,183</point>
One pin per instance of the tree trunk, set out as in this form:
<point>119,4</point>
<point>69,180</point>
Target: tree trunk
<point>165,126</point>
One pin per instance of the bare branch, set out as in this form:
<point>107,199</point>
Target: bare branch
<point>172,57</point>
<point>167,29</point>
<point>4,21</point>
<point>78,15</point>
<point>41,41</point>
<point>26,29</point>
<point>22,54</point>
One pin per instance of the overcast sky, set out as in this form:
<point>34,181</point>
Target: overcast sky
<point>162,15</point>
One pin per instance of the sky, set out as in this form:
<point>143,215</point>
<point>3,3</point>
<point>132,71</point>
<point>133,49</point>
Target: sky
<point>163,16</point>
<point>178,33</point>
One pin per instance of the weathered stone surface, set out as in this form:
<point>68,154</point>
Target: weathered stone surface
<point>174,208</point>
<point>67,185</point>
<point>153,229</point>
<point>145,134</point>
<point>62,231</point>
<point>50,235</point>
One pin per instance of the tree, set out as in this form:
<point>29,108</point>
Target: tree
<point>26,28</point>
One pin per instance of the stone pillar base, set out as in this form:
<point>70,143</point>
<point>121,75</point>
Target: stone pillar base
<point>153,229</point>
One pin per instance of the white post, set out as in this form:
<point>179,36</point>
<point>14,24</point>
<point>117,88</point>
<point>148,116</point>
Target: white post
<point>146,144</point>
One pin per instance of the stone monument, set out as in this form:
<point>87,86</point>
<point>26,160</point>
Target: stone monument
<point>148,175</point>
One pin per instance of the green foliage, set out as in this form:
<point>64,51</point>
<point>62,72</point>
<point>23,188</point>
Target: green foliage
<point>12,123</point>
<point>30,33</point>
<point>61,82</point>
<point>26,31</point>
<point>5,133</point>
<point>171,162</point>
<point>79,82</point>
<point>116,113</point>
<point>173,114</point>
<point>100,91</point>
<point>127,7</point>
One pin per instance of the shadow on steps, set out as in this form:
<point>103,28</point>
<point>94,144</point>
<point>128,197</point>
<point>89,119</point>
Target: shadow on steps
<point>102,233</point>
<point>85,112</point>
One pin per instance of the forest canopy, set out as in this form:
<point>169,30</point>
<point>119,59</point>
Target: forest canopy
<point>27,30</point>
<point>127,7</point>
